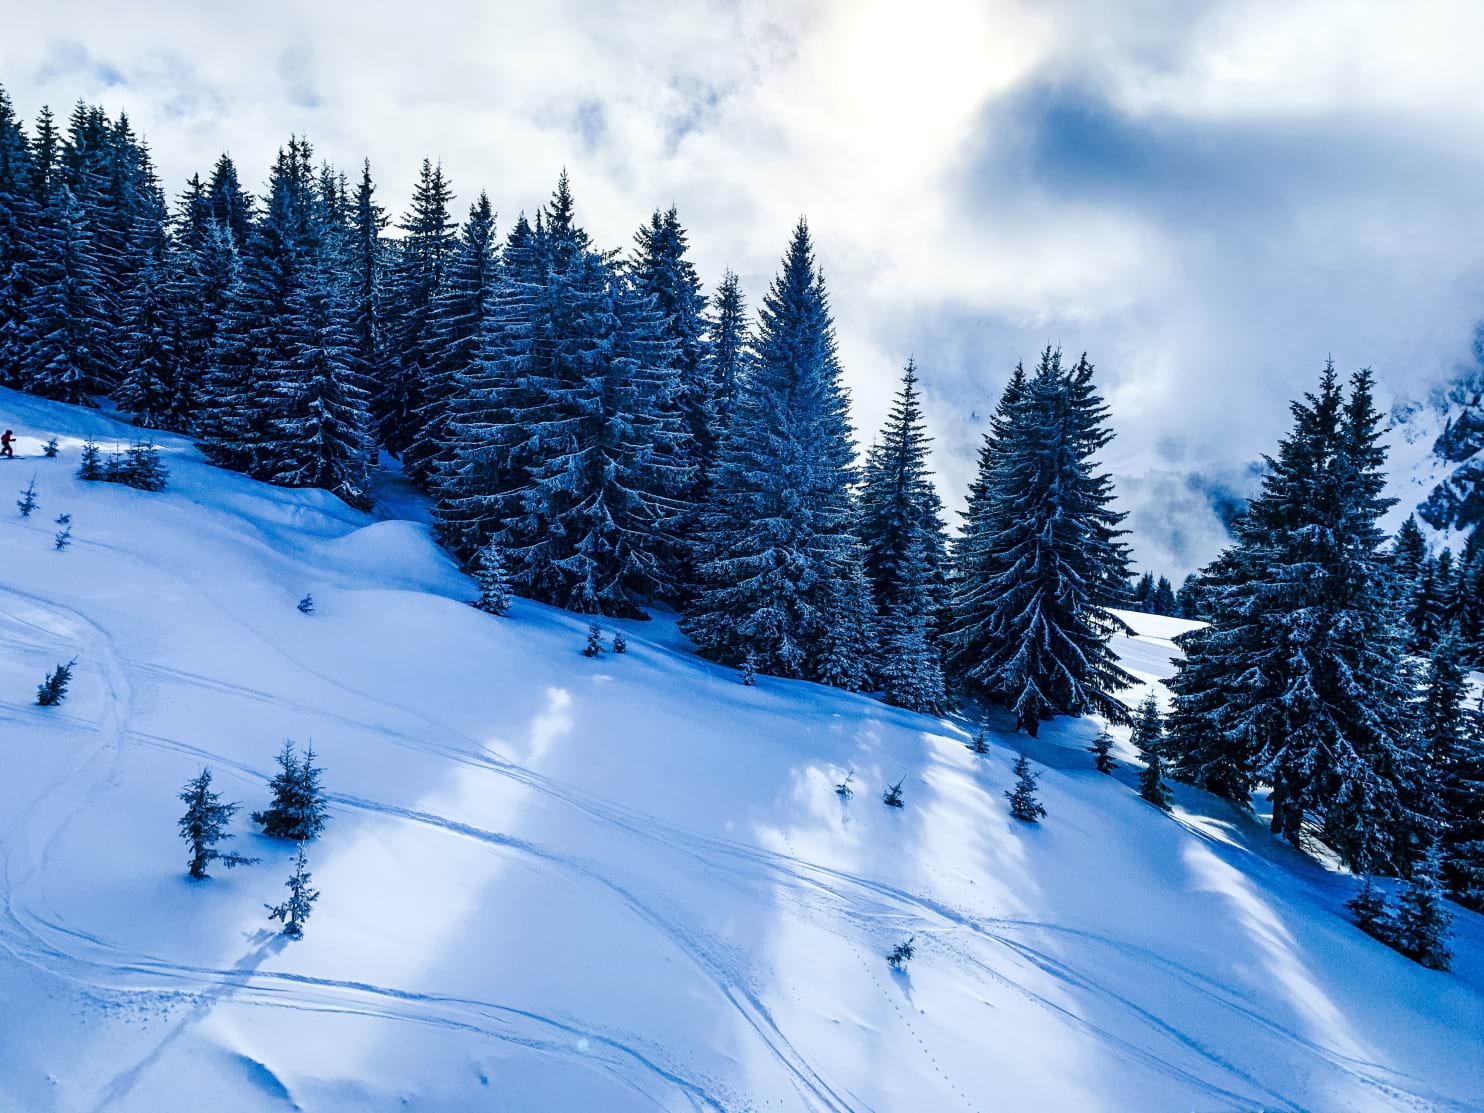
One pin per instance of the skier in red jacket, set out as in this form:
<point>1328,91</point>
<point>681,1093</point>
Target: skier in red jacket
<point>5,441</point>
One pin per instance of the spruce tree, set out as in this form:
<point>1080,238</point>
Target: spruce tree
<point>1023,803</point>
<point>1300,680</point>
<point>204,825</point>
<point>152,389</point>
<point>1163,600</point>
<point>455,325</point>
<point>1102,748</point>
<point>1408,551</point>
<point>728,345</point>
<point>53,690</point>
<point>778,554</point>
<point>1423,918</point>
<point>900,524</point>
<point>1148,738</point>
<point>1454,790</point>
<point>366,266</point>
<point>415,278</point>
<point>489,574</point>
<point>892,797</point>
<point>295,911</point>
<point>298,810</point>
<point>594,645</point>
<point>1033,621</point>
<point>230,206</point>
<point>1370,910</point>
<point>27,503</point>
<point>19,217</point>
<point>65,348</point>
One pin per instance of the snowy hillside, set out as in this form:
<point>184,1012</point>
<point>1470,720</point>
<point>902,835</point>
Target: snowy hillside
<point>555,883</point>
<point>1436,461</point>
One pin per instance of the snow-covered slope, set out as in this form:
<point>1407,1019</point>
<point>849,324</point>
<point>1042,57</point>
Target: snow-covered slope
<point>1436,460</point>
<point>555,883</point>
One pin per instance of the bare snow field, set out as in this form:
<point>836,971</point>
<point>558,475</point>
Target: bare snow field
<point>552,883</point>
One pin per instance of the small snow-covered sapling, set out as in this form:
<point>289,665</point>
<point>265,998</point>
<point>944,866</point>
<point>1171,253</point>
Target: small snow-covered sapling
<point>63,538</point>
<point>27,502</point>
<point>53,690</point>
<point>619,644</point>
<point>205,824</point>
<point>892,797</point>
<point>295,911</point>
<point>749,670</point>
<point>901,954</point>
<point>50,449</point>
<point>1023,803</point>
<point>306,605</point>
<point>1102,746</point>
<point>594,641</point>
<point>843,789</point>
<point>979,744</point>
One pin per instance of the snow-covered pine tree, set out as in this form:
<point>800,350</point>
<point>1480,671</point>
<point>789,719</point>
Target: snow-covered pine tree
<point>1370,910</point>
<point>1163,600</point>
<point>892,797</point>
<point>1148,738</point>
<point>749,669</point>
<point>51,448</point>
<point>1102,748</point>
<point>294,912</point>
<point>728,345</point>
<point>65,347</point>
<point>489,574</point>
<point>1300,680</point>
<point>594,645</point>
<point>1023,802</point>
<point>1425,603</point>
<point>298,810</point>
<point>230,206</point>
<point>19,216</point>
<point>900,524</point>
<point>27,503</point>
<point>1143,597</point>
<point>204,825</point>
<point>455,325</point>
<point>776,539</point>
<point>139,467</point>
<point>366,265</point>
<point>1421,926</point>
<point>1408,551</point>
<point>53,690</point>
<point>1033,622</point>
<point>415,277</point>
<point>63,538</point>
<point>901,954</point>
<point>259,329</point>
<point>1454,790</point>
<point>151,389</point>
<point>306,605</point>
<point>90,465</point>
<point>660,270</point>
<point>979,744</point>
<point>620,643</point>
<point>320,431</point>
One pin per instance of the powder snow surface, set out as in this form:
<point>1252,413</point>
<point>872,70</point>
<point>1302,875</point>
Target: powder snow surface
<point>554,883</point>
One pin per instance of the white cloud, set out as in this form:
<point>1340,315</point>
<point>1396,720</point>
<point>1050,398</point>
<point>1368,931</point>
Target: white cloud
<point>1255,186</point>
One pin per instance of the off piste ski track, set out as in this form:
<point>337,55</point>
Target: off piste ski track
<point>555,883</point>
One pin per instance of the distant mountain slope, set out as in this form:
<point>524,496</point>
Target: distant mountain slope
<point>552,883</point>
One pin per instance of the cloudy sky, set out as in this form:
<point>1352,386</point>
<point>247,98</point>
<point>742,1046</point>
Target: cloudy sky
<point>1209,198</point>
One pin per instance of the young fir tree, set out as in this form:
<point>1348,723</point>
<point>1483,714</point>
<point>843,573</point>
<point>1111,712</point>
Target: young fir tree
<point>63,538</point>
<point>53,690</point>
<point>204,825</point>
<point>1143,596</point>
<point>298,810</point>
<point>27,503</point>
<point>295,911</point>
<point>1148,739</point>
<point>1163,600</point>
<point>892,797</point>
<point>455,325</point>
<point>594,645</point>
<point>1023,803</point>
<point>979,744</point>
<point>1421,925</point>
<point>900,524</point>
<point>306,604</point>
<point>366,266</point>
<point>901,954</point>
<point>1370,910</point>
<point>139,467</point>
<point>1102,748</point>
<point>1425,606</point>
<point>415,277</point>
<point>1045,563</point>
<point>230,206</point>
<point>1408,551</point>
<point>1300,681</point>
<point>749,670</point>
<point>778,554</point>
<point>489,574</point>
<point>90,465</point>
